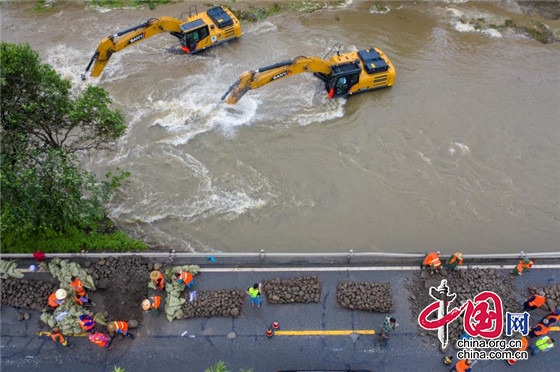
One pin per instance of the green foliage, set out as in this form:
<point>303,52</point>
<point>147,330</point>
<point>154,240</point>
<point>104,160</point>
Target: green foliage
<point>218,367</point>
<point>221,367</point>
<point>44,187</point>
<point>118,369</point>
<point>70,242</point>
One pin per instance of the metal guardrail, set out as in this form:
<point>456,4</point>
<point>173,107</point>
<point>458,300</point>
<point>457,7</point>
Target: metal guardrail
<point>172,254</point>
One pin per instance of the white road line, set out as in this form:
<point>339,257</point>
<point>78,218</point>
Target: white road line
<point>353,268</point>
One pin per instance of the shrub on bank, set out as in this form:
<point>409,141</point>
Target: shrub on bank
<point>72,242</point>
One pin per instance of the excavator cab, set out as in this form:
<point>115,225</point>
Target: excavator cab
<point>192,33</point>
<point>342,78</point>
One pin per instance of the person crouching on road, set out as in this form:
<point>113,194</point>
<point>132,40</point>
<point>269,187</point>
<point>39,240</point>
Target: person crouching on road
<point>57,298</point>
<point>432,262</point>
<point>56,336</point>
<point>119,327</point>
<point>255,294</point>
<point>87,323</point>
<point>535,301</point>
<point>158,280</point>
<point>464,365</point>
<point>454,261</point>
<point>100,339</point>
<point>524,265</point>
<point>545,343</point>
<point>184,277</point>
<point>152,305</point>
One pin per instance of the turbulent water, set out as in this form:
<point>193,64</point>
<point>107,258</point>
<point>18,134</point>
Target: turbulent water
<point>461,154</point>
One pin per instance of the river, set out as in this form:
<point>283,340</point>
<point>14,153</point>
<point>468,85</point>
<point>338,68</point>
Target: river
<point>461,154</point>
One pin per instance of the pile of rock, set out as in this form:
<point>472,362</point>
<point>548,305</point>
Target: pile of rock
<point>551,293</point>
<point>466,284</point>
<point>123,282</point>
<point>367,296</point>
<point>219,303</point>
<point>26,293</point>
<point>303,289</point>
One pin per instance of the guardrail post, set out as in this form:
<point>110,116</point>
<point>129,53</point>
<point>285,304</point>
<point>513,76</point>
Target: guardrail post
<point>263,254</point>
<point>350,255</point>
<point>172,255</point>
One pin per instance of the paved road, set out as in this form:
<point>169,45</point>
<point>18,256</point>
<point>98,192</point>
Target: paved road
<point>161,345</point>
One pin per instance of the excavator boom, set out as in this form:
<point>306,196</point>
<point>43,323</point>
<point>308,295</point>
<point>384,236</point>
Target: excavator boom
<point>257,78</point>
<point>344,74</point>
<point>197,32</point>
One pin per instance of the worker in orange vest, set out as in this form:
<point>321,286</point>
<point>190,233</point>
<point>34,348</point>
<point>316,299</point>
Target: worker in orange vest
<point>152,305</point>
<point>454,261</point>
<point>535,301</point>
<point>56,336</point>
<point>119,326</point>
<point>86,322</point>
<point>57,298</point>
<point>158,279</point>
<point>432,261</point>
<point>464,365</point>
<point>184,277</point>
<point>100,339</point>
<point>553,317</point>
<point>524,265</point>
<point>524,346</point>
<point>540,329</point>
<point>77,286</point>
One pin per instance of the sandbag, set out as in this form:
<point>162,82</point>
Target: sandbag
<point>9,269</point>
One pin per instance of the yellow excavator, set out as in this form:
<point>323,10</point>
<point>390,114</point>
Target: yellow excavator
<point>344,74</point>
<point>198,31</point>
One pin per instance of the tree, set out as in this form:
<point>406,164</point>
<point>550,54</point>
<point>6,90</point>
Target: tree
<point>43,127</point>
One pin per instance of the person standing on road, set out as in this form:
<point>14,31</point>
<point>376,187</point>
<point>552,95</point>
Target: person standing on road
<point>535,301</point>
<point>545,343</point>
<point>255,294</point>
<point>389,325</point>
<point>464,365</point>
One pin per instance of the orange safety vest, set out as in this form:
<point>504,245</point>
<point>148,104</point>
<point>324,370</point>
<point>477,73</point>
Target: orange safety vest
<point>540,330</point>
<point>552,318</point>
<point>538,301</point>
<point>462,366</point>
<point>432,260</point>
<point>455,258</point>
<point>121,327</point>
<point>57,337</point>
<point>86,324</point>
<point>186,277</point>
<point>527,265</point>
<point>155,302</point>
<point>159,281</point>
<point>99,339</point>
<point>52,301</point>
<point>78,287</point>
<point>524,343</point>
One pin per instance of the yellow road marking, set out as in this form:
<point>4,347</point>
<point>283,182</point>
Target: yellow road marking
<point>343,332</point>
